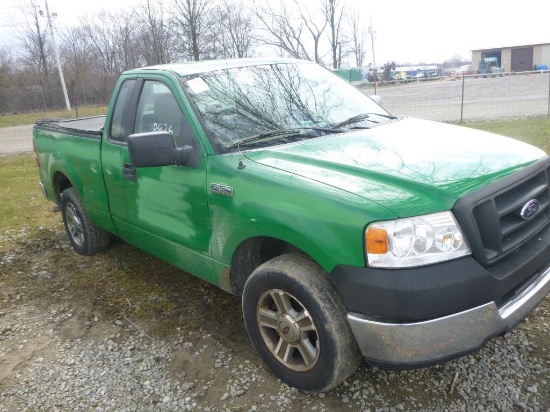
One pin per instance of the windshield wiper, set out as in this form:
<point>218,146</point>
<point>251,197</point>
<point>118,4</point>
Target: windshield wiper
<point>283,133</point>
<point>362,116</point>
<point>274,133</point>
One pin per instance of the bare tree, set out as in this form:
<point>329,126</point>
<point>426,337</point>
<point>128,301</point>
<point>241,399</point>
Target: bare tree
<point>154,33</point>
<point>103,40</point>
<point>193,19</point>
<point>234,29</point>
<point>315,27</point>
<point>113,46</point>
<point>6,68</point>
<point>358,35</point>
<point>33,47</point>
<point>77,59</point>
<point>127,42</point>
<point>116,40</point>
<point>298,28</point>
<point>6,64</point>
<point>282,30</point>
<point>333,11</point>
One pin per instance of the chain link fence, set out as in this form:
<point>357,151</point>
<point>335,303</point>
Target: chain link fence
<point>464,98</point>
<point>47,97</point>
<point>467,98</point>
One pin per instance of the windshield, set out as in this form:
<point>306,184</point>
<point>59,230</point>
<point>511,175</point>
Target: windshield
<point>239,103</point>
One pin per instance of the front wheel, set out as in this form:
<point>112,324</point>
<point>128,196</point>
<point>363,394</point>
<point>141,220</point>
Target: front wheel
<point>297,322</point>
<point>85,237</point>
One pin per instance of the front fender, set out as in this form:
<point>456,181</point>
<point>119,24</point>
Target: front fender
<point>325,222</point>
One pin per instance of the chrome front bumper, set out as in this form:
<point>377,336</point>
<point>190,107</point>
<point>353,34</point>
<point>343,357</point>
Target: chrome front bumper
<point>402,345</point>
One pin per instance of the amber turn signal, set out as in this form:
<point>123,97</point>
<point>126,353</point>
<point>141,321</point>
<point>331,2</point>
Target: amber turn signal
<point>376,241</point>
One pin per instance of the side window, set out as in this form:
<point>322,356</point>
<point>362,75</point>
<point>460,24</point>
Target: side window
<point>118,131</point>
<point>158,111</point>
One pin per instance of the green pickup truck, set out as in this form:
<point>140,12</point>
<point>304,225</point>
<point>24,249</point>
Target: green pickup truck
<point>350,233</point>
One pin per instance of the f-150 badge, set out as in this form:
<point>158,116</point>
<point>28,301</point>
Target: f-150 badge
<point>220,189</point>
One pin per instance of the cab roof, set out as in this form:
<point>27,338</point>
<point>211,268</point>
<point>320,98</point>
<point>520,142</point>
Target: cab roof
<point>191,68</point>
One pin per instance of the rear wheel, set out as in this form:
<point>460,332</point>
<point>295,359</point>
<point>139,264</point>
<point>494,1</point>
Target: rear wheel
<point>85,237</point>
<point>297,322</point>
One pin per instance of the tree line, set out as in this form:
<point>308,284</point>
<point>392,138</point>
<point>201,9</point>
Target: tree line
<point>97,48</point>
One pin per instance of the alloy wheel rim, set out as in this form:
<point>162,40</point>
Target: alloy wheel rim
<point>288,330</point>
<point>74,224</point>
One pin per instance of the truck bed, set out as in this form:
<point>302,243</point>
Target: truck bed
<point>85,126</point>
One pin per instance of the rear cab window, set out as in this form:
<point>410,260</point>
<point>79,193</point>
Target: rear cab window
<point>118,130</point>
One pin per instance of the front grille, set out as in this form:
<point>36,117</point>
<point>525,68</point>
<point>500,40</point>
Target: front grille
<point>495,226</point>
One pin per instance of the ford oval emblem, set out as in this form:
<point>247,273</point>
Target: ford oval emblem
<point>529,209</point>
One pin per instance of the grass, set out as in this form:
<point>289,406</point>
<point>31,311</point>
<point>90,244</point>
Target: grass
<point>21,119</point>
<point>22,201</point>
<point>535,130</point>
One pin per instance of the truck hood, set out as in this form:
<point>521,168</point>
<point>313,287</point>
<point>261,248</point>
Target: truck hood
<point>409,166</point>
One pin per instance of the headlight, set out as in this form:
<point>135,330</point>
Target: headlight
<point>414,241</point>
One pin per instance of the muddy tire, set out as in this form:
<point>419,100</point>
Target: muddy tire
<point>85,237</point>
<point>296,320</point>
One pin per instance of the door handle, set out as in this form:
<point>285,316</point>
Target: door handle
<point>129,172</point>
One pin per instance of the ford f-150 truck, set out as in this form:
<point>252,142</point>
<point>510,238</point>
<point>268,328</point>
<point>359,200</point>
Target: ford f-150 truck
<point>350,233</point>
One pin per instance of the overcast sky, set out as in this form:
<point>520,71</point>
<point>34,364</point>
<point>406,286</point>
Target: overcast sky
<point>405,31</point>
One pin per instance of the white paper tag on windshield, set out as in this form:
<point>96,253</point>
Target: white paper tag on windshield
<point>197,85</point>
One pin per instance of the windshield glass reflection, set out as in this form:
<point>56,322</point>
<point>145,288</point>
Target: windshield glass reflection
<point>239,103</point>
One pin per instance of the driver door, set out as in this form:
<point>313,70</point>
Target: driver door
<point>166,207</point>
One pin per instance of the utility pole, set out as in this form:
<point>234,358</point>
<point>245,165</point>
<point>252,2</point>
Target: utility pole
<point>375,72</point>
<point>56,54</point>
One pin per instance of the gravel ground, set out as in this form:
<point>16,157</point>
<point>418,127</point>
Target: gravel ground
<point>59,351</point>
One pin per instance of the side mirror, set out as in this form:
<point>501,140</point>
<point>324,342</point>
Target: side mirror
<point>376,99</point>
<point>153,149</point>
